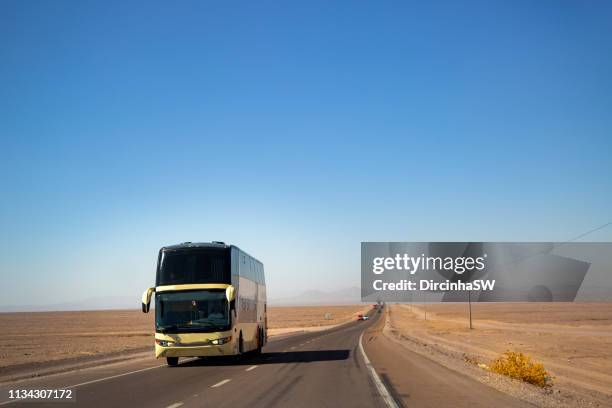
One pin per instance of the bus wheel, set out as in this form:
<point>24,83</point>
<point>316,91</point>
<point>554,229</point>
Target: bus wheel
<point>172,361</point>
<point>259,341</point>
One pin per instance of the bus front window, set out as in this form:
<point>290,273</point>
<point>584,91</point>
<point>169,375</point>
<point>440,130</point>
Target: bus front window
<point>193,311</point>
<point>182,267</point>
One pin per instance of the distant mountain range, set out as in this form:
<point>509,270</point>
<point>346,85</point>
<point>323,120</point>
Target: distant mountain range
<point>318,297</point>
<point>99,303</point>
<point>310,297</point>
<point>345,296</point>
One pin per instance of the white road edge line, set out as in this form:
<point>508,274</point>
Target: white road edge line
<point>220,383</point>
<point>382,390</point>
<point>102,379</point>
<point>175,405</point>
<point>251,368</point>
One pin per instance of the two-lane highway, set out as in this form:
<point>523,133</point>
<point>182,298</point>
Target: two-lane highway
<point>323,369</point>
<point>317,369</point>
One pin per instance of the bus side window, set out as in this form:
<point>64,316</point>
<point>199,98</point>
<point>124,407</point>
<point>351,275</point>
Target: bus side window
<point>243,268</point>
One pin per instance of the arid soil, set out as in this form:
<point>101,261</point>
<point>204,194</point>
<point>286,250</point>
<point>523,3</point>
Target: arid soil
<point>45,336</point>
<point>38,342</point>
<point>312,316</point>
<point>572,340</point>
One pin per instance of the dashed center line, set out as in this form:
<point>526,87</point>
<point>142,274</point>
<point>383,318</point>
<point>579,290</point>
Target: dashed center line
<point>175,405</point>
<point>220,383</point>
<point>107,378</point>
<point>251,368</point>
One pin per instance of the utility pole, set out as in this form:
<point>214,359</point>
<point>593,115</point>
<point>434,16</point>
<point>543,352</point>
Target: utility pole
<point>470,307</point>
<point>411,310</point>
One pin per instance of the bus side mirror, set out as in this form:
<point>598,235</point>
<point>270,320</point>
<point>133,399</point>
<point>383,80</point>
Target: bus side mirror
<point>146,299</point>
<point>230,293</point>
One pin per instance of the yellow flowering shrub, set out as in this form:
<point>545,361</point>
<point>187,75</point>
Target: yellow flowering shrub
<point>518,365</point>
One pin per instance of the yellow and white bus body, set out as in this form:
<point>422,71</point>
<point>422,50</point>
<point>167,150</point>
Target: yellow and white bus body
<point>215,304</point>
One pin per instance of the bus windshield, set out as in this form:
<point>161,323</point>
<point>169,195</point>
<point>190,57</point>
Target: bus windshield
<point>197,265</point>
<point>192,311</point>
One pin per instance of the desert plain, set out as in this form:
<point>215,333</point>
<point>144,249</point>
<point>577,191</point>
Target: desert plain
<point>572,340</point>
<point>36,343</point>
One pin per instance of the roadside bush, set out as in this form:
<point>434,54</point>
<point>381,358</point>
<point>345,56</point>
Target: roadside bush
<point>518,365</point>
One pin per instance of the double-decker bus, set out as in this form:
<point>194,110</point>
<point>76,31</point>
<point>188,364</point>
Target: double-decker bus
<point>210,300</point>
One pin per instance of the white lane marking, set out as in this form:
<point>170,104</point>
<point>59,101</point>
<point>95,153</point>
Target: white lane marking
<point>104,379</point>
<point>382,390</point>
<point>123,374</point>
<point>164,365</point>
<point>251,368</point>
<point>175,405</point>
<point>220,383</point>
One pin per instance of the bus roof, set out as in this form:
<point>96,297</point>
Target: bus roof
<point>214,244</point>
<point>186,245</point>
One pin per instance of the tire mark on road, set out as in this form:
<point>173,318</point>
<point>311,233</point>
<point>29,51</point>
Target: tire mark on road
<point>396,396</point>
<point>355,359</point>
<point>282,392</point>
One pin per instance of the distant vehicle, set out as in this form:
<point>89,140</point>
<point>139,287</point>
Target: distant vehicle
<point>362,317</point>
<point>210,300</point>
<point>374,306</point>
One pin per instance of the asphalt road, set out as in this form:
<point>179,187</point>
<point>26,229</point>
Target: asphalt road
<point>322,369</point>
<point>316,369</point>
<point>416,381</point>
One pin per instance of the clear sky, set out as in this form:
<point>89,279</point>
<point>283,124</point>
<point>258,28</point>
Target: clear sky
<point>294,131</point>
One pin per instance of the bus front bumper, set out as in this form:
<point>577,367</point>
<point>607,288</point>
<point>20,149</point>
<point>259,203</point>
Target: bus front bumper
<point>194,344</point>
<point>199,351</point>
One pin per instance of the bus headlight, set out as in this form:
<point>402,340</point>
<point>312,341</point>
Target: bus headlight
<point>222,340</point>
<point>164,343</point>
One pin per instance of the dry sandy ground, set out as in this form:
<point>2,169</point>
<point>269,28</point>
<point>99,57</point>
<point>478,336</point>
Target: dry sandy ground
<point>573,340</point>
<point>46,342</point>
<point>312,316</point>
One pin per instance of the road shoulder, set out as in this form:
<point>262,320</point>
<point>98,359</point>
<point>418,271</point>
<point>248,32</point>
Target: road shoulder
<point>417,381</point>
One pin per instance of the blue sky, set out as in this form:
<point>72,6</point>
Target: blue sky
<point>294,131</point>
